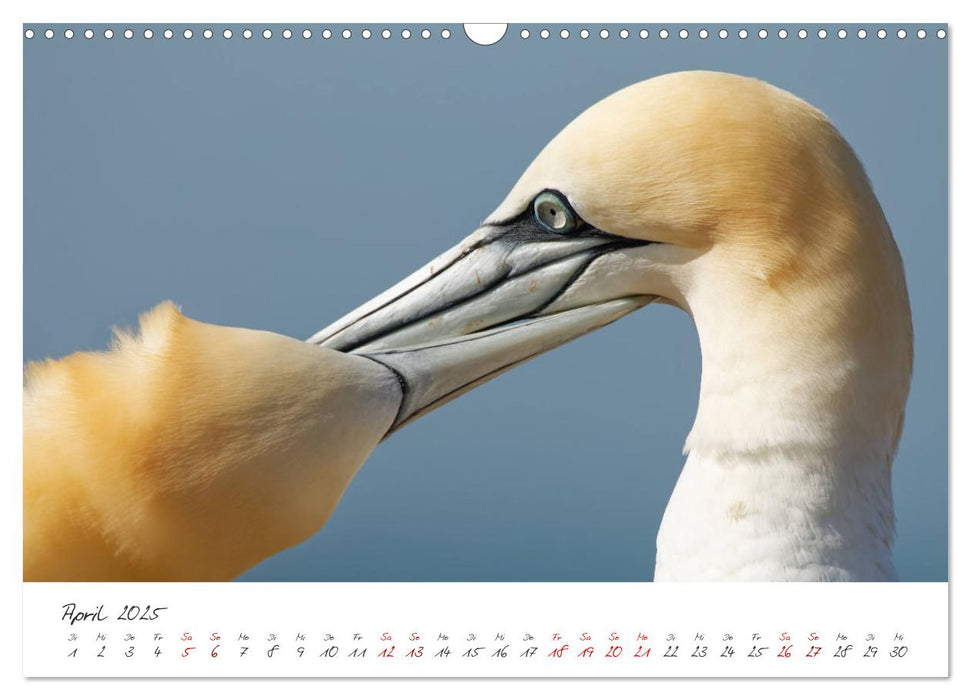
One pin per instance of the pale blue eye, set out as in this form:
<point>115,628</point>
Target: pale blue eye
<point>554,214</point>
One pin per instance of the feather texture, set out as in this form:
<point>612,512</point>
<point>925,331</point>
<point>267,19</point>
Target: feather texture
<point>190,451</point>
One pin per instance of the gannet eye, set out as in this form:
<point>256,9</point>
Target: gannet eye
<point>554,214</point>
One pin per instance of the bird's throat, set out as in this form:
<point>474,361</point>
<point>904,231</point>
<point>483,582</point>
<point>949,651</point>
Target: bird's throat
<point>788,475</point>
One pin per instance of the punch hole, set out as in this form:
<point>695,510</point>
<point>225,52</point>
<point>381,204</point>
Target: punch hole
<point>604,33</point>
<point>683,34</point>
<point>405,33</point>
<point>49,34</point>
<point>287,34</point>
<point>803,33</point>
<point>267,33</point>
<point>68,33</point>
<point>921,34</point>
<point>584,33</point>
<point>861,33</point>
<point>821,34</point>
<point>386,34</point>
<point>485,34</point>
<point>129,34</point>
<point>624,33</point>
<point>703,34</point>
<point>425,34</point>
<point>109,34</point>
<point>722,33</point>
<point>446,34</point>
<point>663,34</point>
<point>841,33</point>
<point>941,34</point>
<point>306,34</point>
<point>89,34</point>
<point>366,34</point>
<point>227,34</point>
<point>544,34</point>
<point>524,34</point>
<point>207,34</point>
<point>644,34</point>
<point>148,34</point>
<point>168,34</point>
<point>187,34</point>
<point>247,33</point>
<point>743,34</point>
<point>763,33</point>
<point>783,34</point>
<point>346,34</point>
<point>564,33</point>
<point>902,34</point>
<point>29,34</point>
<point>327,34</point>
<point>882,34</point>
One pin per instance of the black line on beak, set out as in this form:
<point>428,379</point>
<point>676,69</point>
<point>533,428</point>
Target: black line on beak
<point>597,253</point>
<point>519,230</point>
<point>593,254</point>
<point>486,240</point>
<point>402,383</point>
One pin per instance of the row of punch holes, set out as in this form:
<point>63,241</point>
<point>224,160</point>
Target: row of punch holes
<point>487,37</point>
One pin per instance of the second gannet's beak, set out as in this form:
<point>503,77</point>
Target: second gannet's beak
<point>477,310</point>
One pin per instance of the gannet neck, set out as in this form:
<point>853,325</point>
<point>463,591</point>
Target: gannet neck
<point>788,475</point>
<point>800,410</point>
<point>796,514</point>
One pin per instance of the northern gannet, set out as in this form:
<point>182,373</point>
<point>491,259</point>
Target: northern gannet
<point>193,451</point>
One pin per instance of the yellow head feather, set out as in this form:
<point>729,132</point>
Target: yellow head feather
<point>190,451</point>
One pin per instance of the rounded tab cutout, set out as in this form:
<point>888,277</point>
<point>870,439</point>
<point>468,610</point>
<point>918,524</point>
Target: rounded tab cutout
<point>485,34</point>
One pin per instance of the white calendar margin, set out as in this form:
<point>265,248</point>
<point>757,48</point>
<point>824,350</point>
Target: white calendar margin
<point>918,611</point>
<point>498,10</point>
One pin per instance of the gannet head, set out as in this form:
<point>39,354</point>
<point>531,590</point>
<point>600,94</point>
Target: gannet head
<point>720,194</point>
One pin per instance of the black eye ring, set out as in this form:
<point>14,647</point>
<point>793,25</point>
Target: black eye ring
<point>554,214</point>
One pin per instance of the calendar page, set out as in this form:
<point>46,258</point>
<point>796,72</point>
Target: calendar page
<point>510,350</point>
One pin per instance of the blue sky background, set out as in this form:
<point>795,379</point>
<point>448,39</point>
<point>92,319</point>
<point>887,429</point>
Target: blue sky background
<point>276,184</point>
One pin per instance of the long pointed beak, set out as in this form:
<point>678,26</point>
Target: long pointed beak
<point>476,311</point>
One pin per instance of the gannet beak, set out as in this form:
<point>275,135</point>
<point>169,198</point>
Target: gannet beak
<point>476,311</point>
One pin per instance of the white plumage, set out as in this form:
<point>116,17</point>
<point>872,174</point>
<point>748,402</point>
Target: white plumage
<point>718,194</point>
